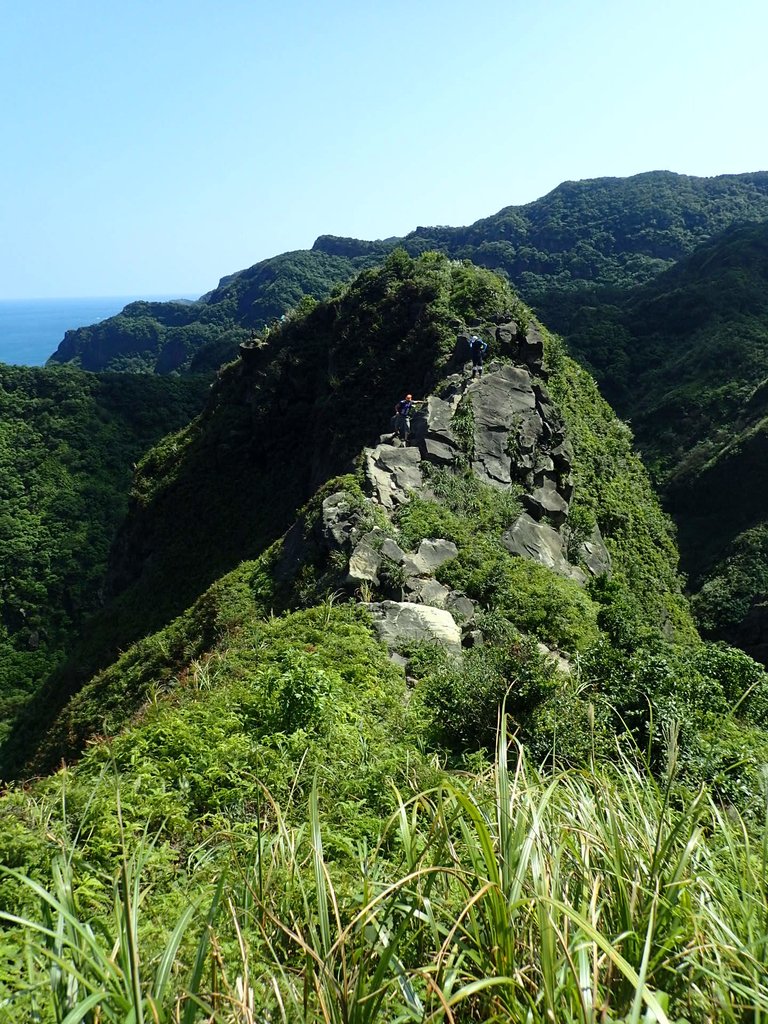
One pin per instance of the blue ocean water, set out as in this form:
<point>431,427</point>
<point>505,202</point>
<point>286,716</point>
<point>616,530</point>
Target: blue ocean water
<point>31,329</point>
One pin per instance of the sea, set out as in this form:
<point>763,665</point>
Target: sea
<point>31,329</point>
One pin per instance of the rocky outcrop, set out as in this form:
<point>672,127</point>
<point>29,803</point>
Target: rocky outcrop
<point>392,473</point>
<point>398,622</point>
<point>541,542</point>
<point>594,554</point>
<point>506,428</point>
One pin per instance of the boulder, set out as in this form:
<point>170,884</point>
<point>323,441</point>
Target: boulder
<point>437,418</point>
<point>339,521</point>
<point>546,501</point>
<point>431,554</point>
<point>562,456</point>
<point>540,542</point>
<point>435,552</point>
<point>558,662</point>
<point>390,549</point>
<point>459,605</point>
<point>365,560</point>
<point>507,338</point>
<point>439,452</point>
<point>528,538</point>
<point>594,554</point>
<point>503,403</point>
<point>392,473</point>
<point>531,349</point>
<point>428,591</point>
<point>397,622</point>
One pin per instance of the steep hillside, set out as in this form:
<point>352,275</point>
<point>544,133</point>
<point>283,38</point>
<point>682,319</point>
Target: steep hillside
<point>283,804</point>
<point>585,238</point>
<point>197,337</point>
<point>67,444</point>
<point>685,359</point>
<point>299,409</point>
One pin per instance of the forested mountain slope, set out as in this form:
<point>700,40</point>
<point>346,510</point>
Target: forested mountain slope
<point>686,359</point>
<point>283,804</point>
<point>583,238</point>
<point>299,410</point>
<point>68,441</point>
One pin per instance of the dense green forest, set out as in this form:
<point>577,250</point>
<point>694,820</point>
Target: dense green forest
<point>584,239</point>
<point>68,441</point>
<point>284,800</point>
<point>684,359</point>
<point>656,289</point>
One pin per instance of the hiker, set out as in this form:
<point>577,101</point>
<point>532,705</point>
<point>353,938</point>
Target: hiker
<point>477,348</point>
<point>403,411</point>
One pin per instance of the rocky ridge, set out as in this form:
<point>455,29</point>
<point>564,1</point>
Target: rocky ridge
<point>504,427</point>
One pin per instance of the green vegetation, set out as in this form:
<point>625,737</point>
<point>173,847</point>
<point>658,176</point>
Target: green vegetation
<point>67,444</point>
<point>684,357</point>
<point>499,894</point>
<point>575,246</point>
<point>262,816</point>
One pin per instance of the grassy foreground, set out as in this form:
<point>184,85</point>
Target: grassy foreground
<point>501,894</point>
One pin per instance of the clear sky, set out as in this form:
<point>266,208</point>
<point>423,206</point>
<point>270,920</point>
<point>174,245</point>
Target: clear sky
<point>152,146</point>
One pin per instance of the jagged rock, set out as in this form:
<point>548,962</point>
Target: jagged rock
<point>435,552</point>
<point>531,351</point>
<point>339,521</point>
<point>474,638</point>
<point>543,469</point>
<point>415,566</point>
<point>562,456</point>
<point>399,621</point>
<point>390,549</point>
<point>365,560</point>
<point>428,591</point>
<point>556,659</point>
<point>566,487</point>
<point>546,501</point>
<point>459,604</point>
<point>541,543</point>
<point>502,402</point>
<point>507,337</point>
<point>437,416</point>
<point>438,452</point>
<point>538,541</point>
<point>594,554</point>
<point>431,554</point>
<point>392,473</point>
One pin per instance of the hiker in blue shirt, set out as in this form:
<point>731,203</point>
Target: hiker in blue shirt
<point>477,348</point>
<point>403,411</point>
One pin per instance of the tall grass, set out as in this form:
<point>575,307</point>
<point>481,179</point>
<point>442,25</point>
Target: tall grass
<point>600,896</point>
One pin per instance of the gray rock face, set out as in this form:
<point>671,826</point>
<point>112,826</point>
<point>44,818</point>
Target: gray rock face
<point>439,452</point>
<point>503,403</point>
<point>397,622</point>
<point>460,606</point>
<point>392,473</point>
<point>546,501</point>
<point>428,591</point>
<point>339,521</point>
<point>540,542</point>
<point>390,549</point>
<point>435,553</point>
<point>556,659</point>
<point>439,414</point>
<point>365,560</point>
<point>431,555</point>
<point>594,554</point>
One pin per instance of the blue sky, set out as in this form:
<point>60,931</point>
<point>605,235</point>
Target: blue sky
<point>152,147</point>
